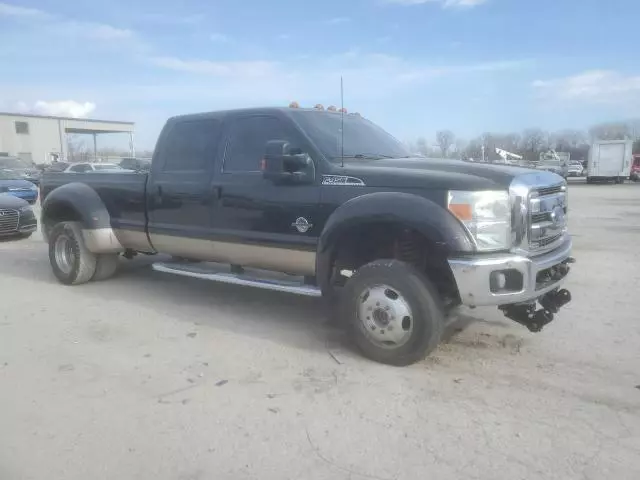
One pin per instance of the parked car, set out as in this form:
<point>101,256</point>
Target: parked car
<point>55,167</point>
<point>635,169</point>
<point>16,217</point>
<point>575,169</point>
<point>13,184</point>
<point>23,169</point>
<point>87,167</point>
<point>137,164</point>
<point>392,242</point>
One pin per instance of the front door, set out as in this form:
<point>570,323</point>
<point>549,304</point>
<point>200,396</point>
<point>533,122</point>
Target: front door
<point>264,225</point>
<point>179,193</point>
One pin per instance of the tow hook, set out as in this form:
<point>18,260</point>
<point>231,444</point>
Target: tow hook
<point>535,320</point>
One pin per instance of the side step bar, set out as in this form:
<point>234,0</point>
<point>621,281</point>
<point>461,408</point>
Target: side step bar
<point>197,271</point>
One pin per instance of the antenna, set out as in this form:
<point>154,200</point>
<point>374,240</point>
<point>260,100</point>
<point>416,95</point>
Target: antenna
<point>342,121</point>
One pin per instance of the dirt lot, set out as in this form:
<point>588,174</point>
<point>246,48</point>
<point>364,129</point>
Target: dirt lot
<point>150,376</point>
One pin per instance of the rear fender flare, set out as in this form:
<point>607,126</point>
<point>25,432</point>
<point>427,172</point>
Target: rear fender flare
<point>88,209</point>
<point>418,213</point>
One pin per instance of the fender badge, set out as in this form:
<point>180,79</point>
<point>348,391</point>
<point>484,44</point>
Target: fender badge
<point>302,225</point>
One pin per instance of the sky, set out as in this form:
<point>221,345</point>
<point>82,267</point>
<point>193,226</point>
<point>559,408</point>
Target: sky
<point>412,66</point>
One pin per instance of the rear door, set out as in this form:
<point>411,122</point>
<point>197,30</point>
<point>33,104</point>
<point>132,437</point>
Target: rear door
<point>179,192</point>
<point>610,159</point>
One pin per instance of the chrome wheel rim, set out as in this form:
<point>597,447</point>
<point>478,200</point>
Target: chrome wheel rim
<point>385,316</point>
<point>64,254</point>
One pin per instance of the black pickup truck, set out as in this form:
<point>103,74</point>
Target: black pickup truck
<point>339,207</point>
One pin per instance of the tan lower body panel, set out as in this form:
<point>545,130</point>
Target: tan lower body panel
<point>101,240</point>
<point>134,240</point>
<point>286,260</point>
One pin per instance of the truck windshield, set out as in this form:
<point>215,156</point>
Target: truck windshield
<point>362,138</point>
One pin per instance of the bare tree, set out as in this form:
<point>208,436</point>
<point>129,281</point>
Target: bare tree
<point>610,131</point>
<point>421,146</point>
<point>445,139</point>
<point>534,141</point>
<point>77,150</point>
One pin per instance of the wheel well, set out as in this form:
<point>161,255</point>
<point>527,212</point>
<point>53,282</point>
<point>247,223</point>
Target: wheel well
<point>56,213</point>
<point>362,244</point>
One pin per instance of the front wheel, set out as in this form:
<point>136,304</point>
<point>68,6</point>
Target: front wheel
<point>394,312</point>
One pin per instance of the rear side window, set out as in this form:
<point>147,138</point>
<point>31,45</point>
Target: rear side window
<point>190,146</point>
<point>248,139</point>
<point>79,168</point>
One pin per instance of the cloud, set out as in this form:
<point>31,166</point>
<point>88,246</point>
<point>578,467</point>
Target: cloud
<point>338,21</point>
<point>171,19</point>
<point>9,10</point>
<point>219,38</point>
<point>594,86</point>
<point>107,32</point>
<point>255,68</point>
<point>444,3</point>
<point>59,25</point>
<point>61,108</point>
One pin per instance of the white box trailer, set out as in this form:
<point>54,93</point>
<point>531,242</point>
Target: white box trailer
<point>610,160</point>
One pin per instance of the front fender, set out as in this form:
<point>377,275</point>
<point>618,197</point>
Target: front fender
<point>413,211</point>
<point>79,202</point>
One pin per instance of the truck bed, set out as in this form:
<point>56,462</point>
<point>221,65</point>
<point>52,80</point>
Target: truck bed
<point>124,194</point>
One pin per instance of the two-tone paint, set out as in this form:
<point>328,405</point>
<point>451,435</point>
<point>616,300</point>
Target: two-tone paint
<point>242,218</point>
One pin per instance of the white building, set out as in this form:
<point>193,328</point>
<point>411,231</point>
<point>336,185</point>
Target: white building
<point>41,139</point>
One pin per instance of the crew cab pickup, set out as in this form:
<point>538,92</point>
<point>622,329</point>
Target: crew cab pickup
<point>340,208</point>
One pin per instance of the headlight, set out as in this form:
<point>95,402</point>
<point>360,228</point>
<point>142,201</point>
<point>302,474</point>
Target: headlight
<point>486,216</point>
<point>25,209</point>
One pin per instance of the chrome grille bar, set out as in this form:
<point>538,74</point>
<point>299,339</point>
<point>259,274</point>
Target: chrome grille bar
<point>8,220</point>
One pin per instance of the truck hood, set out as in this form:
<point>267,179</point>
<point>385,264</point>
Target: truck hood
<point>431,173</point>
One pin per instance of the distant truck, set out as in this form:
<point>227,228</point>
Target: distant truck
<point>555,162</point>
<point>635,169</point>
<point>610,160</point>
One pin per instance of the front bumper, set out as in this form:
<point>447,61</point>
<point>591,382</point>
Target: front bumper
<point>527,278</point>
<point>26,223</point>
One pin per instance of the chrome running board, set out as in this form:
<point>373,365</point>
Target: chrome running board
<point>204,273</point>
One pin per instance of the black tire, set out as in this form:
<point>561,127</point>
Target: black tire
<point>81,265</point>
<point>415,290</point>
<point>106,266</point>
<point>589,180</point>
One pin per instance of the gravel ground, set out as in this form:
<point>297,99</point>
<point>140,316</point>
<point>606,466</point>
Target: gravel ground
<point>151,376</point>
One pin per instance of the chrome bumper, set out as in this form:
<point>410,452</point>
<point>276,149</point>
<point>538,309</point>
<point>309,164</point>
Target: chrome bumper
<point>473,276</point>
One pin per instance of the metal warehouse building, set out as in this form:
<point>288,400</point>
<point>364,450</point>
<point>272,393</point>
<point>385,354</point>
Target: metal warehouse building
<point>41,139</point>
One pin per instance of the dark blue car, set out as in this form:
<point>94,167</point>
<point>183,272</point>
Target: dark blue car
<point>12,184</point>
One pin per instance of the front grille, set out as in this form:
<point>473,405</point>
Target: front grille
<point>547,217</point>
<point>544,191</point>
<point>8,220</point>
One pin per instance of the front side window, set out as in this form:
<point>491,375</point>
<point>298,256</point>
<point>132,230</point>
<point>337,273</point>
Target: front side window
<point>190,146</point>
<point>248,139</point>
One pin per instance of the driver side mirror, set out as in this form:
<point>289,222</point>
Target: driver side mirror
<point>283,164</point>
